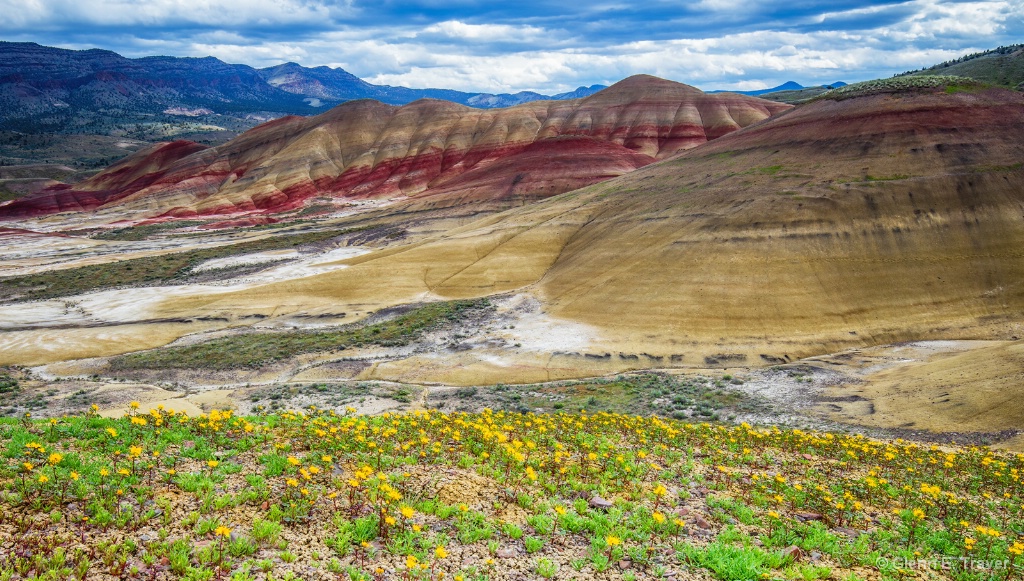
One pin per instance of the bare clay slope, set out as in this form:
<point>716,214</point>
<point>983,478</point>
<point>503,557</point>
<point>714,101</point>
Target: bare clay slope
<point>448,152</point>
<point>863,221</point>
<point>133,173</point>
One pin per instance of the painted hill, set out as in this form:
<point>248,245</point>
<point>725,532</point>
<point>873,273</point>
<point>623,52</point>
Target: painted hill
<point>867,220</point>
<point>871,220</point>
<point>441,150</point>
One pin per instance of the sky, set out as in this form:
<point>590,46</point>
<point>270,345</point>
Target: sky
<point>544,46</point>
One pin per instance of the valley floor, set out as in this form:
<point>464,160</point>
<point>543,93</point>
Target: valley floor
<point>510,354</point>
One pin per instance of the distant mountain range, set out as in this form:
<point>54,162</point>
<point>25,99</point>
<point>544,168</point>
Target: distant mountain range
<point>45,89</point>
<point>54,90</point>
<point>338,85</point>
<point>787,86</point>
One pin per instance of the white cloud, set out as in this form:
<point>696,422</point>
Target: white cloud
<point>485,32</point>
<point>724,5</point>
<point>976,19</point>
<point>166,12</point>
<point>474,55</point>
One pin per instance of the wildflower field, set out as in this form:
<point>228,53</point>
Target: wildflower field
<point>493,495</point>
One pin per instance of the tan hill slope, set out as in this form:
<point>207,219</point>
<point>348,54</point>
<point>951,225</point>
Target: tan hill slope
<point>366,149</point>
<point>867,220</point>
<point>870,220</point>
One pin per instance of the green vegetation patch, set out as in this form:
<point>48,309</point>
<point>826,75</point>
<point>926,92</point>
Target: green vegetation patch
<point>8,384</point>
<point>280,397</point>
<point>998,168</point>
<point>676,396</point>
<point>149,270</point>
<point>768,170</point>
<point>142,232</point>
<point>900,84</point>
<point>254,350</point>
<point>7,194</point>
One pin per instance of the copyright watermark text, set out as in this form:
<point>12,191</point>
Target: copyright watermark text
<point>944,564</point>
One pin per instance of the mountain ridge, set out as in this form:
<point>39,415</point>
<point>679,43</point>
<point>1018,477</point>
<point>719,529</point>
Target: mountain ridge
<point>38,81</point>
<point>787,86</point>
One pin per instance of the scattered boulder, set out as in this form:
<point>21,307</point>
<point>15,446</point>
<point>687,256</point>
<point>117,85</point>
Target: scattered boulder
<point>793,552</point>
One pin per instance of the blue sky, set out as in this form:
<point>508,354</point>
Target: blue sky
<point>533,45</point>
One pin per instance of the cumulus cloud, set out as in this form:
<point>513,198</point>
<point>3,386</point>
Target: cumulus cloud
<point>164,13</point>
<point>458,30</point>
<point>475,45</point>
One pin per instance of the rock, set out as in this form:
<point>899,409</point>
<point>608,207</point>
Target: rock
<point>625,564</point>
<point>815,556</point>
<point>147,538</point>
<point>683,511</point>
<point>807,456</point>
<point>164,561</point>
<point>600,503</point>
<point>701,523</point>
<point>808,516</point>
<point>505,553</point>
<point>265,505</point>
<point>794,552</point>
